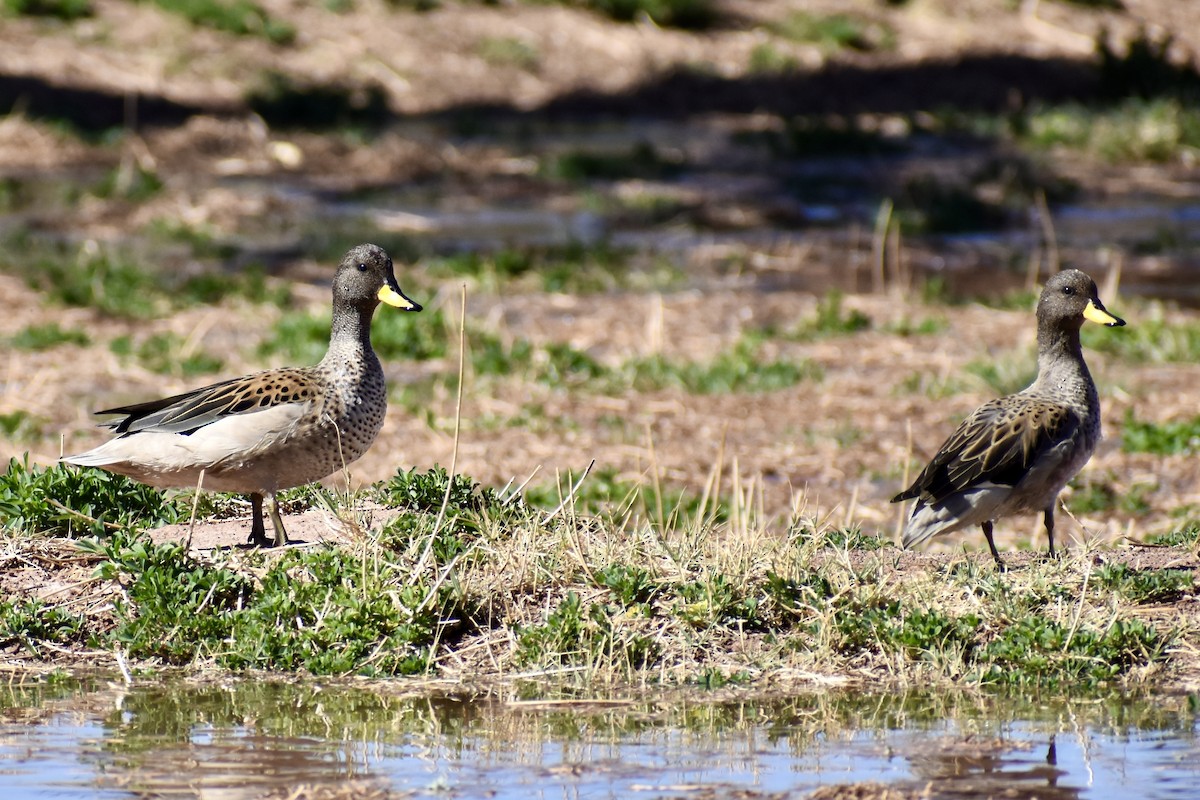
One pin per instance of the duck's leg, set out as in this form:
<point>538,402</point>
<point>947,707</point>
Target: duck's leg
<point>1050,528</point>
<point>258,531</point>
<point>276,520</point>
<point>987,534</point>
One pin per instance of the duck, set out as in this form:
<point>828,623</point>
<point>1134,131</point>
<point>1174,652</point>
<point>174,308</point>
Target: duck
<point>269,431</point>
<point>1014,454</point>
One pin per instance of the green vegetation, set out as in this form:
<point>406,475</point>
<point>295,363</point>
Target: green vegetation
<point>164,353</point>
<point>1101,495</point>
<point>1152,340</point>
<point>833,32</point>
<point>239,17</point>
<point>303,338</point>
<point>605,492</point>
<point>66,10</point>
<point>200,240</point>
<point>46,337</point>
<point>831,319</point>
<point>31,623</point>
<point>69,501</point>
<point>120,285</point>
<point>1006,375</point>
<point>1069,660</point>
<point>642,161</point>
<point>1159,130</point>
<point>1147,586</point>
<point>691,14</point>
<point>20,425</point>
<point>766,59</point>
<point>623,581</point>
<point>1181,537</point>
<point>105,282</point>
<point>574,268</point>
<point>739,369</point>
<point>923,327</point>
<point>130,182</point>
<point>1168,438</point>
<point>324,611</point>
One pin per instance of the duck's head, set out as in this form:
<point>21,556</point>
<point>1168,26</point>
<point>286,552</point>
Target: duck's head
<point>365,277</point>
<point>1069,298</point>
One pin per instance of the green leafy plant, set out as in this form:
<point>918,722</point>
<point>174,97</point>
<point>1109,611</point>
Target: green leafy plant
<point>1037,651</point>
<point>70,501</point>
<point>1181,537</point>
<point>1148,585</point>
<point>31,622</point>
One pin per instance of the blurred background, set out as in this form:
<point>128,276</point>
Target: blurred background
<point>771,248</point>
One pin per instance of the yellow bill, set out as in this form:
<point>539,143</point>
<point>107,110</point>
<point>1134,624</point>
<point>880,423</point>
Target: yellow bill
<point>394,297</point>
<point>1097,313</point>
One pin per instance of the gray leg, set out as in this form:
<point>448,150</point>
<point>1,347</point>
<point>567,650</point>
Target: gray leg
<point>258,531</point>
<point>1050,528</point>
<point>987,534</point>
<point>276,520</point>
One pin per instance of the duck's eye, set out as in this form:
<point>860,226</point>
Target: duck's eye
<point>1068,290</point>
<point>362,267</point>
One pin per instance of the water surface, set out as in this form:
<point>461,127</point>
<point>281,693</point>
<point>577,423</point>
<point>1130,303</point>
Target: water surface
<point>248,740</point>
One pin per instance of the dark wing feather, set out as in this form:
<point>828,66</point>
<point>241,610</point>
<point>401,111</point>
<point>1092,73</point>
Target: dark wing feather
<point>996,444</point>
<point>187,412</point>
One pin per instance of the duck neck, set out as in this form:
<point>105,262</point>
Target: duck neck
<point>1062,372</point>
<point>350,334</point>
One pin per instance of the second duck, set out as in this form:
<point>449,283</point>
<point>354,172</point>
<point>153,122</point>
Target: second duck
<point>1015,454</point>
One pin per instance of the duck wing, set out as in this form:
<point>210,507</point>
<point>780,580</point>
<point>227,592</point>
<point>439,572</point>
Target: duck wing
<point>188,412</point>
<point>998,444</point>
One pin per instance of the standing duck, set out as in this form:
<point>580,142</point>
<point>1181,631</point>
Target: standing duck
<point>1015,454</point>
<point>272,430</point>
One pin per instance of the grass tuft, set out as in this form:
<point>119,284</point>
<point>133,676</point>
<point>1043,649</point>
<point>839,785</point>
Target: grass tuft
<point>625,582</point>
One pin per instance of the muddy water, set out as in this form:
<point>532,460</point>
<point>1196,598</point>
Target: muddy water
<point>250,739</point>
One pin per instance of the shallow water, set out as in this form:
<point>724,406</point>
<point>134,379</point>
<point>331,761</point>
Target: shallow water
<point>248,740</point>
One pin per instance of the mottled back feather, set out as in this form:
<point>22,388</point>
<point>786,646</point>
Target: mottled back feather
<point>997,444</point>
<point>187,412</point>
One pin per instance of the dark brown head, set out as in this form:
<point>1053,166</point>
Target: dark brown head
<point>1069,298</point>
<point>366,277</point>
